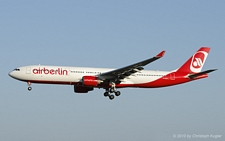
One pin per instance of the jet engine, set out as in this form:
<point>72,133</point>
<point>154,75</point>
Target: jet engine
<point>82,89</point>
<point>90,81</point>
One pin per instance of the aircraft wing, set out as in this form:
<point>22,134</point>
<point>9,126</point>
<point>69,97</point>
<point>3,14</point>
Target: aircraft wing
<point>124,72</point>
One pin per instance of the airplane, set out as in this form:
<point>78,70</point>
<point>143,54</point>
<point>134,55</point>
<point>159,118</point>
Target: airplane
<point>85,79</point>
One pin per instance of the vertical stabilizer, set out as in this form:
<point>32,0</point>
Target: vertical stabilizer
<point>196,62</point>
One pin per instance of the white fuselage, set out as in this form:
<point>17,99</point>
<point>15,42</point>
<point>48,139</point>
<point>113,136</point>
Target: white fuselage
<point>73,75</point>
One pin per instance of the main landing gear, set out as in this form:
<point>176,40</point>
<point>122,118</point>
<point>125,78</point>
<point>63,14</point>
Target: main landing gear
<point>29,87</point>
<point>111,90</point>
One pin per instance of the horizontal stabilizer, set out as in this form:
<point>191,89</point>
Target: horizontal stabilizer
<point>192,76</point>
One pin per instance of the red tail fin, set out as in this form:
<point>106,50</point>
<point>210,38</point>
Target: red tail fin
<point>196,62</point>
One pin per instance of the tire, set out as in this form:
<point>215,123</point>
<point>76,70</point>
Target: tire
<point>111,97</point>
<point>111,90</point>
<point>29,88</point>
<point>117,93</point>
<point>106,94</point>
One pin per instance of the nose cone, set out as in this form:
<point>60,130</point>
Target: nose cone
<point>11,74</point>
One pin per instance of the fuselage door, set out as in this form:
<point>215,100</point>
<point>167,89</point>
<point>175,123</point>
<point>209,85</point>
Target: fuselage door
<point>172,76</point>
<point>28,70</point>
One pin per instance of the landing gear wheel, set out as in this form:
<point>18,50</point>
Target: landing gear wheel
<point>29,88</point>
<point>117,93</point>
<point>106,94</point>
<point>111,97</point>
<point>112,90</point>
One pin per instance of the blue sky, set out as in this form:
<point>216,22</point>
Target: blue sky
<point>110,34</point>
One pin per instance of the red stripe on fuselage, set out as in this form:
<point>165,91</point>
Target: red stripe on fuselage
<point>170,79</point>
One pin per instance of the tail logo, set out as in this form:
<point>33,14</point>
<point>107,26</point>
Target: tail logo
<point>198,61</point>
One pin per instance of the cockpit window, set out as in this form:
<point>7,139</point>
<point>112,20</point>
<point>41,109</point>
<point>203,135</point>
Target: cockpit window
<point>16,69</point>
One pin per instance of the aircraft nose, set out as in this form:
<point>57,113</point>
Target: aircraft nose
<point>10,74</point>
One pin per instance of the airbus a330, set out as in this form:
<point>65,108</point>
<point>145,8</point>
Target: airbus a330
<point>85,79</point>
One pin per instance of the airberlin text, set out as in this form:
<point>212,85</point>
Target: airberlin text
<point>58,71</point>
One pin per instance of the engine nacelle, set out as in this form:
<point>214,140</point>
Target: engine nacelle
<point>82,89</point>
<point>90,81</point>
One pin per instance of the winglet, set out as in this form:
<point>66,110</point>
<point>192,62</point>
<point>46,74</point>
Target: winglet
<point>161,54</point>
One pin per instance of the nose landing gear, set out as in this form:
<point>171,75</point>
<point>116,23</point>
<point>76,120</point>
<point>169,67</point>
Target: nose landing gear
<point>29,87</point>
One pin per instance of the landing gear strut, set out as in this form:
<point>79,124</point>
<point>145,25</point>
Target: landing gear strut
<point>29,87</point>
<point>111,90</point>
